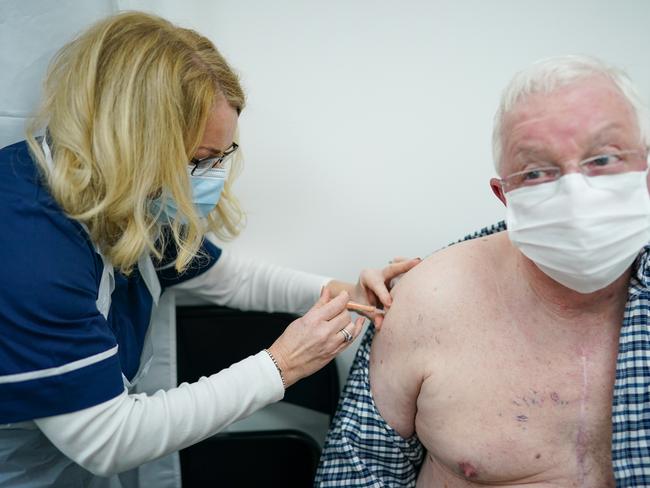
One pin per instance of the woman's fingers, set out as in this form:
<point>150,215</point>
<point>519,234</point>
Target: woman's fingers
<point>374,284</point>
<point>393,273</point>
<point>378,321</point>
<point>349,334</point>
<point>397,268</point>
<point>327,310</point>
<point>358,327</point>
<point>339,322</point>
<point>377,282</point>
<point>323,299</point>
<point>398,259</point>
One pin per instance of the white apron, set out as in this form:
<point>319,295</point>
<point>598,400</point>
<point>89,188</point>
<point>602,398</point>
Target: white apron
<point>43,463</point>
<point>107,286</point>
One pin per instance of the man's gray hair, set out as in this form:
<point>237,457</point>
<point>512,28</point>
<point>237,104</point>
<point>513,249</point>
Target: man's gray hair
<point>548,74</point>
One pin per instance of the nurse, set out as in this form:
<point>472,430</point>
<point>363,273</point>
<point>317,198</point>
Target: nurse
<point>102,215</point>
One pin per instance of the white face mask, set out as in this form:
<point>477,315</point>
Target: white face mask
<point>582,234</point>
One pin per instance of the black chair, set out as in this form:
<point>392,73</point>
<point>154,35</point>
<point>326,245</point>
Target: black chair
<point>282,458</point>
<point>211,338</point>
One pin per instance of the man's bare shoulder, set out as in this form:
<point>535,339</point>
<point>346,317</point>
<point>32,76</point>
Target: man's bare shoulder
<point>455,274</point>
<point>436,295</point>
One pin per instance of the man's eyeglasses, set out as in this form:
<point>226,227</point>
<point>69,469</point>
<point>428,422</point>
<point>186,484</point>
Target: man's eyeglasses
<point>603,164</point>
<point>202,166</point>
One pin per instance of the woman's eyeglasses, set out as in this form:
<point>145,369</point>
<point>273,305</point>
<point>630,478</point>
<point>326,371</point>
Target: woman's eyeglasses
<point>202,166</point>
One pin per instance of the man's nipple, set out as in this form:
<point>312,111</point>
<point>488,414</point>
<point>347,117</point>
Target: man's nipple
<point>467,469</point>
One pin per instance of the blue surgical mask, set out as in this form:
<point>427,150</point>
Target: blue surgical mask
<point>206,191</point>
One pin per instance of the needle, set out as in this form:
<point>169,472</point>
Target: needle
<point>358,307</point>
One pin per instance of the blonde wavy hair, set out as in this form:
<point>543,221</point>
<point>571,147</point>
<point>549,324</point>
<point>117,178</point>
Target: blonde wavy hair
<point>126,105</point>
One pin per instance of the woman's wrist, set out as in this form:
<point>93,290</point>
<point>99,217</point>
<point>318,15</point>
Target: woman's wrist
<point>277,366</point>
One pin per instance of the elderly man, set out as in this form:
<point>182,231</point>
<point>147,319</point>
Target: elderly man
<point>499,359</point>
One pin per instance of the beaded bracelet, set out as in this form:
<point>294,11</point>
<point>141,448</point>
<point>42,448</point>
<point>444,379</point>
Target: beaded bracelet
<point>284,384</point>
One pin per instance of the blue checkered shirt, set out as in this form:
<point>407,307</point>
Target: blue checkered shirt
<point>362,450</point>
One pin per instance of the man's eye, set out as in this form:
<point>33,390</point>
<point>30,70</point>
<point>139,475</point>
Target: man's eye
<point>603,160</point>
<point>533,175</point>
<point>538,176</point>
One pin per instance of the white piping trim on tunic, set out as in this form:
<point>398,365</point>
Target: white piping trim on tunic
<point>66,368</point>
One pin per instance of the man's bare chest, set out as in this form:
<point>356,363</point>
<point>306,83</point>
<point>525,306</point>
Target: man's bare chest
<point>507,409</point>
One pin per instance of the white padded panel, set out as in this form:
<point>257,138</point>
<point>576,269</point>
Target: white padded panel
<point>30,33</point>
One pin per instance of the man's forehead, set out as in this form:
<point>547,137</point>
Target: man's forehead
<point>594,93</point>
<point>591,109</point>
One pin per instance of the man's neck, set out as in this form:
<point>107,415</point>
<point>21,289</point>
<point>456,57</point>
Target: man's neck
<point>566,303</point>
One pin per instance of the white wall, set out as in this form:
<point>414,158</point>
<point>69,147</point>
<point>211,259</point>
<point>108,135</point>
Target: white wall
<point>30,33</point>
<point>367,132</point>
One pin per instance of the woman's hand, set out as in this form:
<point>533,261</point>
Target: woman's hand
<point>374,285</point>
<point>313,340</point>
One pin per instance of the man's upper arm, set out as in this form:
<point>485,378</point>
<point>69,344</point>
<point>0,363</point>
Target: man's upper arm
<point>361,449</point>
<point>396,364</point>
<point>421,327</point>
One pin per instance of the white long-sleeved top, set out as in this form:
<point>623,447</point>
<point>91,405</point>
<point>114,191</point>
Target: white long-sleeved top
<point>248,284</point>
<point>132,429</point>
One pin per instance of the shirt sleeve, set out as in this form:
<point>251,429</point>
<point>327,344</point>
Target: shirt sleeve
<point>249,284</point>
<point>57,353</point>
<point>133,429</point>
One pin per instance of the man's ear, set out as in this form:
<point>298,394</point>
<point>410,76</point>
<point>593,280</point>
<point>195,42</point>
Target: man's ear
<point>495,184</point>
